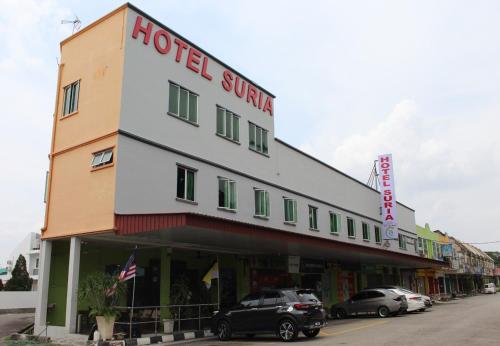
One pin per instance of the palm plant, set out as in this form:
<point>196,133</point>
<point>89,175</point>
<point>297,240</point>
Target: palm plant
<point>101,292</point>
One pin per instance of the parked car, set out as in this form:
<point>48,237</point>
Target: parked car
<point>285,312</point>
<point>415,301</point>
<point>427,300</point>
<point>490,288</point>
<point>379,301</point>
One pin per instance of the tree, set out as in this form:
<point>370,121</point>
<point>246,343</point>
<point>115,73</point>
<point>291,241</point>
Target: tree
<point>495,255</point>
<point>1,285</point>
<point>20,280</point>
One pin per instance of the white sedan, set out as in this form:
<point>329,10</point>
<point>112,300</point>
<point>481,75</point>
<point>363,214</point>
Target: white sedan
<point>415,300</point>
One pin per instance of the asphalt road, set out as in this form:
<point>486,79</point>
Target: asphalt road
<point>11,323</point>
<point>469,321</point>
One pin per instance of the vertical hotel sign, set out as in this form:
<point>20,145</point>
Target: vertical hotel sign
<point>387,197</point>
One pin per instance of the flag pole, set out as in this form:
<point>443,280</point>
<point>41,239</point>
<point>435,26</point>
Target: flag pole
<point>218,284</point>
<point>132,310</point>
<point>133,297</point>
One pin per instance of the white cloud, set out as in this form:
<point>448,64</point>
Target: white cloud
<point>447,171</point>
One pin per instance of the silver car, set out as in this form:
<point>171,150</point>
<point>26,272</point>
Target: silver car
<point>380,302</point>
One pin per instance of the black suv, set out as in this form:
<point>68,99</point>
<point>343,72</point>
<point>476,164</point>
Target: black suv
<point>281,311</point>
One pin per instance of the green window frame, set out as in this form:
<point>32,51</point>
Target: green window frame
<point>262,206</point>
<point>70,101</point>
<point>227,194</point>
<point>290,208</point>
<point>257,138</point>
<point>378,235</point>
<point>313,218</point>
<point>366,231</point>
<point>185,183</point>
<point>182,103</point>
<point>402,241</point>
<point>228,124</point>
<point>351,227</point>
<point>102,158</point>
<point>334,223</point>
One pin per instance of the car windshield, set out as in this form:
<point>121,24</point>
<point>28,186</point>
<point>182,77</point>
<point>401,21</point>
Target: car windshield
<point>307,296</point>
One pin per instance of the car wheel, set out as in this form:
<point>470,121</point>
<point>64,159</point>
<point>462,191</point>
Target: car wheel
<point>340,314</point>
<point>311,333</point>
<point>383,311</point>
<point>287,330</point>
<point>223,331</point>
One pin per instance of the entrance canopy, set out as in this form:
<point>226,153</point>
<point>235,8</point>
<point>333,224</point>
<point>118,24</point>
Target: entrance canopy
<point>207,233</point>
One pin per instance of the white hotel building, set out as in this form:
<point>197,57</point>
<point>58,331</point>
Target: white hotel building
<point>159,144</point>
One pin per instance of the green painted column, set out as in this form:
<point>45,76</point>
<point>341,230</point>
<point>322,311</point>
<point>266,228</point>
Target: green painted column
<point>165,260</point>
<point>58,283</point>
<point>334,296</point>
<point>242,279</point>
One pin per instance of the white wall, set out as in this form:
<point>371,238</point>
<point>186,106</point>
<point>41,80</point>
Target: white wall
<point>146,175</point>
<point>18,300</point>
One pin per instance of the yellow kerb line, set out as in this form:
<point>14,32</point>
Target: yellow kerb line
<point>353,329</point>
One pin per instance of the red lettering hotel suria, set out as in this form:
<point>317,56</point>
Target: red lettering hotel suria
<point>197,62</point>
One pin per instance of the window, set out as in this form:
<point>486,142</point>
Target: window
<point>402,241</point>
<point>290,210</point>
<point>37,262</point>
<point>334,223</point>
<point>313,217</point>
<point>257,138</point>
<point>228,124</point>
<point>185,183</point>
<point>70,102</point>
<point>227,194</point>
<point>102,158</point>
<point>426,247</point>
<point>183,103</point>
<point>351,228</point>
<point>366,231</point>
<point>359,296</point>
<point>251,300</point>
<point>271,298</point>
<point>374,294</point>
<point>262,203</point>
<point>378,235</point>
<point>420,243</point>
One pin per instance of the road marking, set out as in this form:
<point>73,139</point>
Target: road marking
<point>353,329</point>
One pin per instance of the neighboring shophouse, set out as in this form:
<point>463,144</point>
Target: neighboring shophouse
<point>160,145</point>
<point>469,268</point>
<point>29,247</point>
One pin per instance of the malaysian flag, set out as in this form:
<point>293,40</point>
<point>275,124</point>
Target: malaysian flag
<point>128,272</point>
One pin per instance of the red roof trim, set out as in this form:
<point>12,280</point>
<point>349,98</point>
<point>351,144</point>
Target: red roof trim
<point>130,224</point>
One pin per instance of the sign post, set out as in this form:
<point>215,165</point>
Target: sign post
<point>387,197</point>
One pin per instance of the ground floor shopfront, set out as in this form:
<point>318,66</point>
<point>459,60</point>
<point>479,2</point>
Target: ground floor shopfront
<point>171,264</point>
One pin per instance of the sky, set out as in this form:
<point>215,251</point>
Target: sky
<point>352,79</point>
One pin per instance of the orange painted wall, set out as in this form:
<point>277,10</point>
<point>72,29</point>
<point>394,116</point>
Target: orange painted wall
<point>81,200</point>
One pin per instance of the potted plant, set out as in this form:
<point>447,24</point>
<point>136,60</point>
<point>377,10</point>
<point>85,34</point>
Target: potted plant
<point>100,292</point>
<point>180,295</point>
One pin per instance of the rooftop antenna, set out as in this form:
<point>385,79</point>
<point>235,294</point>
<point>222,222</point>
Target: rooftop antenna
<point>77,23</point>
<point>373,179</point>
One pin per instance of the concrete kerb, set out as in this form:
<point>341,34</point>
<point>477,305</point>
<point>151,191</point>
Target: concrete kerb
<point>158,339</point>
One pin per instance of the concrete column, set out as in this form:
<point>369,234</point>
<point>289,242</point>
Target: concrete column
<point>444,284</point>
<point>43,286</point>
<point>72,293</point>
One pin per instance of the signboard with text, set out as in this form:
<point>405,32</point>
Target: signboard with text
<point>387,197</point>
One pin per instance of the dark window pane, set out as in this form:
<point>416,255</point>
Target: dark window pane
<point>190,186</point>
<point>251,135</point>
<point>220,121</point>
<point>173,99</point>
<point>183,104</point>
<point>229,126</point>
<point>181,182</point>
<point>193,108</point>
<point>236,128</point>
<point>222,195</point>
<point>264,141</point>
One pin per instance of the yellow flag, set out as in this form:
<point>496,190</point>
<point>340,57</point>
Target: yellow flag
<point>213,273</point>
